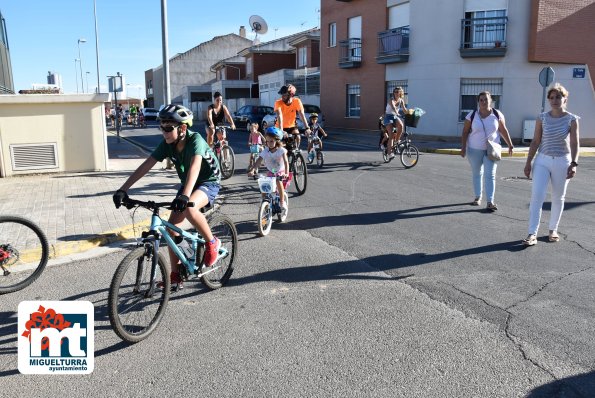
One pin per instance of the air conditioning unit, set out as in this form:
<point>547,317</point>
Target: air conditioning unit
<point>528,130</point>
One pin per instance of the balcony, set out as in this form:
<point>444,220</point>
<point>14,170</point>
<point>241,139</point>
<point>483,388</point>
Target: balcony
<point>483,37</point>
<point>393,46</point>
<point>350,53</point>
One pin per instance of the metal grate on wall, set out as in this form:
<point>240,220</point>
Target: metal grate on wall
<point>34,156</point>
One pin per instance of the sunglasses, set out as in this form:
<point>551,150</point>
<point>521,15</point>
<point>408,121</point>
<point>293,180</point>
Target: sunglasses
<point>168,129</point>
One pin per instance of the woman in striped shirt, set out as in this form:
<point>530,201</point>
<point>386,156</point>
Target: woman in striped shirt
<point>556,142</point>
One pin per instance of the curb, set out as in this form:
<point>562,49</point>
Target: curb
<point>127,232</point>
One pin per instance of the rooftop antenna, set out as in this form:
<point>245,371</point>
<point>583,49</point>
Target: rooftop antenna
<point>258,26</point>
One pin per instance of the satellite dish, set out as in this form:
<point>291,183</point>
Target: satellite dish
<point>258,25</point>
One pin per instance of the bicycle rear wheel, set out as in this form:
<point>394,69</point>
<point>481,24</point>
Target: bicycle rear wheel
<point>300,173</point>
<point>224,229</point>
<point>227,160</point>
<point>24,253</point>
<point>135,304</point>
<point>409,156</point>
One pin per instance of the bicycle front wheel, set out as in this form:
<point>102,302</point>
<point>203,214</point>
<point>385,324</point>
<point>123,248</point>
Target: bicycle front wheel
<point>300,174</point>
<point>409,156</point>
<point>265,218</point>
<point>24,253</point>
<point>136,305</point>
<point>319,159</point>
<point>227,160</point>
<point>224,229</point>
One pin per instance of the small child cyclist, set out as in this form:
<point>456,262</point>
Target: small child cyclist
<point>315,129</point>
<point>255,142</point>
<point>275,160</point>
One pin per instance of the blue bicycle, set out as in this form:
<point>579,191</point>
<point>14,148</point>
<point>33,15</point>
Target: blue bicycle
<point>136,303</point>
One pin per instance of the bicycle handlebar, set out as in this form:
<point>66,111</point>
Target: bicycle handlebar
<point>129,203</point>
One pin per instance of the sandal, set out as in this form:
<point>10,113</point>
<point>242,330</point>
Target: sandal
<point>530,240</point>
<point>476,202</point>
<point>553,237</point>
<point>491,206</point>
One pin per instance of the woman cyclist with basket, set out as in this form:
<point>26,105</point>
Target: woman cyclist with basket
<point>275,160</point>
<point>395,111</point>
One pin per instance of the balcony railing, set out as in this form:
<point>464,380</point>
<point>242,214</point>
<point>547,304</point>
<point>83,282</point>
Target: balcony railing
<point>350,55</point>
<point>393,45</point>
<point>483,37</point>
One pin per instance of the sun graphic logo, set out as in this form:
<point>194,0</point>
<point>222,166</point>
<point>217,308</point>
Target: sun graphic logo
<point>56,337</point>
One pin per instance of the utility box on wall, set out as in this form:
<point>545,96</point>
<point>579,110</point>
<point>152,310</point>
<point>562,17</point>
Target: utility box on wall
<point>50,133</point>
<point>528,130</point>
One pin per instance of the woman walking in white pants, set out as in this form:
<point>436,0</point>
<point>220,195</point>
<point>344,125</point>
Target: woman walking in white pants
<point>556,142</point>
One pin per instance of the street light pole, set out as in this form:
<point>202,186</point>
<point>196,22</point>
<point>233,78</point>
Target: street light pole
<point>166,90</point>
<point>81,63</point>
<point>76,73</point>
<point>96,45</point>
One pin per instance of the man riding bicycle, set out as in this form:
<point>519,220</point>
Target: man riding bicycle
<point>287,109</point>
<point>199,173</point>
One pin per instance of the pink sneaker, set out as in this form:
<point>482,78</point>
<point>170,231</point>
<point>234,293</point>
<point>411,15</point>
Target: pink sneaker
<point>212,252</point>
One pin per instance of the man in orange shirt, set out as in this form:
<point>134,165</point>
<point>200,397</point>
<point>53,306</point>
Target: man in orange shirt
<point>287,109</point>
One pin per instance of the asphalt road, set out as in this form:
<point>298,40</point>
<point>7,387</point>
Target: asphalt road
<point>383,282</point>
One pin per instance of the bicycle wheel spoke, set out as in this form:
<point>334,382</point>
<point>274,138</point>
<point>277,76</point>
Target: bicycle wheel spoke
<point>223,228</point>
<point>134,313</point>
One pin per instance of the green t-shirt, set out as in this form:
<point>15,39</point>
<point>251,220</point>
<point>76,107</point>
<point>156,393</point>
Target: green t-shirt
<point>195,145</point>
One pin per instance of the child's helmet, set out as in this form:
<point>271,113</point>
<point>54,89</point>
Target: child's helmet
<point>275,132</point>
<point>176,113</point>
<point>313,115</point>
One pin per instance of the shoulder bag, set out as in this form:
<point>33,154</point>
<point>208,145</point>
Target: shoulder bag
<point>494,149</point>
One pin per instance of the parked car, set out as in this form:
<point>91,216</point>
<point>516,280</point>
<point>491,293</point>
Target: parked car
<point>150,113</point>
<point>250,114</point>
<point>270,120</point>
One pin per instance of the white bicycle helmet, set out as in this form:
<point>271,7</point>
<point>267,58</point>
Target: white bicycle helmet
<point>176,113</point>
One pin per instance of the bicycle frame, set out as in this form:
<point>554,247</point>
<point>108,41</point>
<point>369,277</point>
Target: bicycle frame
<point>159,230</point>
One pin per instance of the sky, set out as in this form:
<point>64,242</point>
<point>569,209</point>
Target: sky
<point>43,36</point>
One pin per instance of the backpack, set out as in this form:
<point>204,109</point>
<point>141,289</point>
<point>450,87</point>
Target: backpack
<point>494,111</point>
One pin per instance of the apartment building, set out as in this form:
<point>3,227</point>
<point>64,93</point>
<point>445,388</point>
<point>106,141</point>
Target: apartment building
<point>190,72</point>
<point>443,53</point>
<point>6,82</point>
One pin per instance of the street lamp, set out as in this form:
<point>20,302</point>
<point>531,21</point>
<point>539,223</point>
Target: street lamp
<point>81,62</point>
<point>76,73</point>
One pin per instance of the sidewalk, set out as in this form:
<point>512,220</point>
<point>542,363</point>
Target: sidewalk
<point>451,146</point>
<point>76,212</point>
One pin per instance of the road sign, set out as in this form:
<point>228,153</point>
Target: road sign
<point>578,73</point>
<point>546,76</point>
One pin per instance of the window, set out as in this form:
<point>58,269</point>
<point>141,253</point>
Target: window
<point>391,85</point>
<point>302,56</point>
<point>470,88</point>
<point>486,28</point>
<point>353,101</point>
<point>332,34</point>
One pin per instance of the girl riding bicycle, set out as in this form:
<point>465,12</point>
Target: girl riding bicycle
<point>275,160</point>
<point>255,142</point>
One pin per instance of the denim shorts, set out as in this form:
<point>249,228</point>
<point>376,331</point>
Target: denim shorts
<point>211,189</point>
<point>389,118</point>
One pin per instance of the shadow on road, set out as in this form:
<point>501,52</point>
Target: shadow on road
<point>582,385</point>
